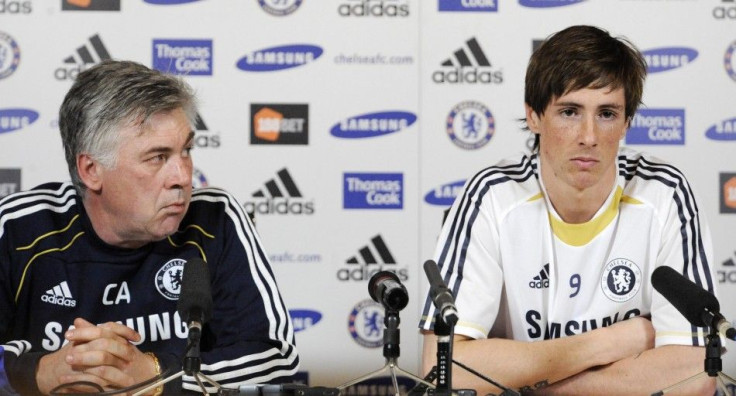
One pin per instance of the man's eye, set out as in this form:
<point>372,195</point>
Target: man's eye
<point>608,114</point>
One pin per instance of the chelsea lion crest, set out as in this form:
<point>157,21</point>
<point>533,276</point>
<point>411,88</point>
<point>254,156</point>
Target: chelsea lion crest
<point>168,278</point>
<point>621,279</point>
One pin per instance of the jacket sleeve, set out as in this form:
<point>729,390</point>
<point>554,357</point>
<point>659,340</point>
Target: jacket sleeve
<point>17,365</point>
<point>250,337</point>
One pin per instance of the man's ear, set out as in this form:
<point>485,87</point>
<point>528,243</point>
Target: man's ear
<point>90,171</point>
<point>532,119</point>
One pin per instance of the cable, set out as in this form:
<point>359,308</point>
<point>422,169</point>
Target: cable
<point>101,391</point>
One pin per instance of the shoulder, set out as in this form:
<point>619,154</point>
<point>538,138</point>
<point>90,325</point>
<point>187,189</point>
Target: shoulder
<point>510,180</point>
<point>40,207</point>
<point>212,204</point>
<point>648,175</point>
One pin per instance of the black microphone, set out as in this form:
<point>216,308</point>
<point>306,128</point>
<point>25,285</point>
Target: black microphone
<point>696,304</point>
<point>386,288</point>
<point>195,299</point>
<point>440,294</point>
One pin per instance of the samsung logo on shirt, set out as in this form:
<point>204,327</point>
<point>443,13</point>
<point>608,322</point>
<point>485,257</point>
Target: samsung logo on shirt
<point>469,5</point>
<point>657,126</point>
<point>724,130</point>
<point>548,3</point>
<point>373,191</point>
<point>373,124</point>
<point>663,59</point>
<point>279,58</point>
<point>445,194</point>
<point>14,119</point>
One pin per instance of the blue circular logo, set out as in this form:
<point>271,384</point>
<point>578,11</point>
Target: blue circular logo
<point>729,62</point>
<point>198,179</point>
<point>280,7</point>
<point>470,125</point>
<point>365,324</point>
<point>9,55</point>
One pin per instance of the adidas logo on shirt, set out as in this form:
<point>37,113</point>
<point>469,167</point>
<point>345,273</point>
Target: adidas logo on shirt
<point>59,295</point>
<point>541,281</point>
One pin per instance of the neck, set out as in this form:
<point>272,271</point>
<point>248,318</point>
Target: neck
<point>576,205</point>
<point>103,224</point>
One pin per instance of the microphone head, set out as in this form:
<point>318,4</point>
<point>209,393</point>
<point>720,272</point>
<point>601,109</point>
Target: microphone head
<point>195,297</point>
<point>690,299</point>
<point>386,288</point>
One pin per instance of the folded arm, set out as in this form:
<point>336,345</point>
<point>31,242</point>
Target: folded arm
<point>601,361</point>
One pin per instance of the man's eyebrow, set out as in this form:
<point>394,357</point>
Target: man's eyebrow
<point>166,149</point>
<point>615,106</point>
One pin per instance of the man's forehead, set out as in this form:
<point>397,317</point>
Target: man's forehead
<point>612,94</point>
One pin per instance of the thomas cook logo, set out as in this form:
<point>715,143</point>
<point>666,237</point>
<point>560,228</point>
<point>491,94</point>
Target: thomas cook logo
<point>365,324</point>
<point>168,278</point>
<point>169,2</point>
<point>470,125</point>
<point>469,5</point>
<point>548,3</point>
<point>183,57</point>
<point>621,280</point>
<point>9,55</point>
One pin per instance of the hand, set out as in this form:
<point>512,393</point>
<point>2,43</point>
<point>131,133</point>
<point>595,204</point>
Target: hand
<point>100,354</point>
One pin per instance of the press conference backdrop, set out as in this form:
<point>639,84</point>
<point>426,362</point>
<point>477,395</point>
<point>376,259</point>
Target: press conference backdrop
<point>348,126</point>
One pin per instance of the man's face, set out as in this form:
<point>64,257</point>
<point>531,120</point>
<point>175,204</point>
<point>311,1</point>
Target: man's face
<point>580,133</point>
<point>147,193</point>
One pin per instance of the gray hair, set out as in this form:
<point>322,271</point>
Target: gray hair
<point>110,96</point>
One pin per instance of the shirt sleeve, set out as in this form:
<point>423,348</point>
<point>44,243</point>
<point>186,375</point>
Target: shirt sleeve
<point>250,338</point>
<point>686,247</point>
<point>467,254</point>
<point>17,364</point>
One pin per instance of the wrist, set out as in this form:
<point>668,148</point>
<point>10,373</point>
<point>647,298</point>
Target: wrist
<point>156,373</point>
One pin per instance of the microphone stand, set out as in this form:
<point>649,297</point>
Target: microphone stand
<point>391,352</point>
<point>192,363</point>
<point>712,364</point>
<point>444,332</point>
